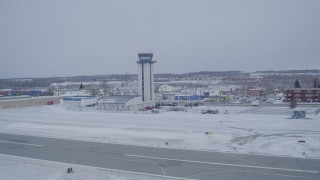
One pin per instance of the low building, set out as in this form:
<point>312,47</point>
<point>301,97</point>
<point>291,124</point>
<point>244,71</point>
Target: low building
<point>11,92</point>
<point>71,92</point>
<point>27,101</point>
<point>217,99</point>
<point>122,103</point>
<point>6,92</point>
<point>79,101</point>
<point>256,92</point>
<point>302,94</point>
<point>167,97</point>
<point>187,97</point>
<point>167,89</point>
<point>167,92</point>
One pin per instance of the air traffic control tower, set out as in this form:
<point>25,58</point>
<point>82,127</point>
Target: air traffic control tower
<point>146,76</point>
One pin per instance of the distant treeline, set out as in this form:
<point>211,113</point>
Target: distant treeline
<point>269,79</point>
<point>291,71</point>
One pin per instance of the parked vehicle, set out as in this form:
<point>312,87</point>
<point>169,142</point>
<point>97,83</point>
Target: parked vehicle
<point>148,108</point>
<point>177,109</point>
<point>204,111</point>
<point>255,103</point>
<point>216,111</point>
<point>298,114</point>
<point>155,111</point>
<point>50,102</point>
<point>208,111</point>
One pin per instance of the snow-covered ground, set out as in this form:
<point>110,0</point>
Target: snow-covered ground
<point>253,130</point>
<point>16,168</point>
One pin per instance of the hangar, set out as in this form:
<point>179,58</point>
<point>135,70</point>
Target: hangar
<point>122,103</point>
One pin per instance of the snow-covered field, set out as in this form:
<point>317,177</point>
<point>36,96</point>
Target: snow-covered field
<point>253,130</point>
<point>16,168</point>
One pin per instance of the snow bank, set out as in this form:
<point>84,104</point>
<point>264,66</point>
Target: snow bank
<point>17,168</point>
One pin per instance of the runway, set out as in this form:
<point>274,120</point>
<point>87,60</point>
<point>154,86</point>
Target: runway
<point>164,162</point>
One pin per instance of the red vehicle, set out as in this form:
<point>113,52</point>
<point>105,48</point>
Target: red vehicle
<point>148,108</point>
<point>214,111</point>
<point>50,102</point>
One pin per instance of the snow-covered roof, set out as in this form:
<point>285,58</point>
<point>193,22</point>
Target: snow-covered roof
<point>5,90</point>
<point>118,99</point>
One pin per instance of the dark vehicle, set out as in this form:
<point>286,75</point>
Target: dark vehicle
<point>298,114</point>
<point>148,108</point>
<point>210,111</point>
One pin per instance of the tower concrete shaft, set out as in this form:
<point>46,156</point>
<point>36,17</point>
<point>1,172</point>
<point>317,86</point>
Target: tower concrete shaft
<point>146,76</point>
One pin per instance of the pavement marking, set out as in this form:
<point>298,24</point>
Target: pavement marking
<point>161,147</point>
<point>27,144</point>
<point>106,169</point>
<point>158,165</point>
<point>225,164</point>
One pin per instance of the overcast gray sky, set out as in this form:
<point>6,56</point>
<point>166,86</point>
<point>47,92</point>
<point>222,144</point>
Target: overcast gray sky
<point>40,38</point>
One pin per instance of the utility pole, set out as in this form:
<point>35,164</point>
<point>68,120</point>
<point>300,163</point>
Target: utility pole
<point>126,79</point>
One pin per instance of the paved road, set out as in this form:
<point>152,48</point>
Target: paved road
<point>161,161</point>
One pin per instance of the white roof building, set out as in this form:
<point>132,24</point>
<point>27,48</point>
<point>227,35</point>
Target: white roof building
<point>168,89</point>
